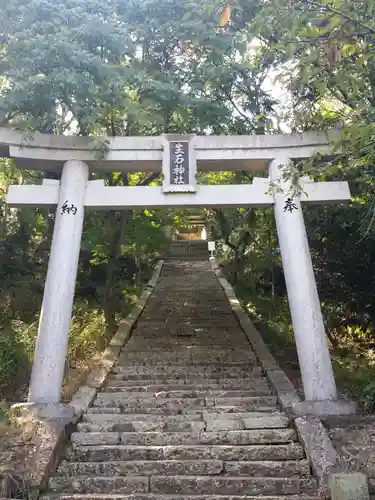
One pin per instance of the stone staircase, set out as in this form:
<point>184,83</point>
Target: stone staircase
<point>188,250</point>
<point>186,414</point>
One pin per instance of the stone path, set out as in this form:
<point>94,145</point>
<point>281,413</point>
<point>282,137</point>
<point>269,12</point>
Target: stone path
<point>186,413</point>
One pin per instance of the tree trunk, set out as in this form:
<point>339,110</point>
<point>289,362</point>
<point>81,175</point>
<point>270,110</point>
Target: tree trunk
<point>110,300</point>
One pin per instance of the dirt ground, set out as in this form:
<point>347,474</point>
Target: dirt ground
<point>17,441</point>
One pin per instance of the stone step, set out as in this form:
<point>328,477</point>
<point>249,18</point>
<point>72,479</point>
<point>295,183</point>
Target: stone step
<point>169,331</point>
<point>252,420</point>
<point>259,419</point>
<point>183,375</point>
<point>242,401</point>
<point>223,353</point>
<point>155,362</point>
<point>158,317</point>
<point>98,418</point>
<point>187,353</point>
<point>119,399</point>
<point>196,436</point>
<point>178,359</point>
<point>179,423</point>
<point>187,313</point>
<point>188,485</point>
<point>187,317</point>
<point>151,496</point>
<point>121,484</point>
<point>103,453</point>
<point>139,371</point>
<point>145,400</point>
<point>197,382</point>
<point>230,485</point>
<point>182,409</point>
<point>182,390</point>
<point>237,367</point>
<point>160,424</point>
<point>188,467</point>
<point>196,352</point>
<point>188,337</point>
<point>196,349</point>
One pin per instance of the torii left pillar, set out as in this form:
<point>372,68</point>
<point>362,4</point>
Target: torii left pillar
<point>52,341</point>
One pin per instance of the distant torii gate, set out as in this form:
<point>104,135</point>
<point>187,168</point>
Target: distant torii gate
<point>177,157</point>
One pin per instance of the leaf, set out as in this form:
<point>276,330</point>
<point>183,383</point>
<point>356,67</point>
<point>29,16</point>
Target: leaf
<point>225,17</point>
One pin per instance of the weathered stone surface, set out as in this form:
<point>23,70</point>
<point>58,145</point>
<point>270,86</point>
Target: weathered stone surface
<point>142,468</point>
<point>167,409</point>
<point>324,408</point>
<point>261,436</point>
<point>82,399</point>
<point>90,438</point>
<point>230,485</point>
<point>196,382</point>
<point>121,418</point>
<point>103,453</point>
<point>270,421</point>
<point>277,436</point>
<point>112,410</point>
<point>169,426</point>
<point>140,372</point>
<point>59,412</point>
<point>354,486</point>
<point>243,401</point>
<point>160,438</point>
<point>120,484</point>
<point>268,468</point>
<point>114,399</point>
<point>238,414</point>
<point>320,451</point>
<point>174,392</point>
<point>224,424</point>
<point>150,496</point>
<point>153,496</point>
<point>98,376</point>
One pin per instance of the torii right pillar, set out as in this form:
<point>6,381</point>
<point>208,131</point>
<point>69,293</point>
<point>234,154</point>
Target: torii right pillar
<point>311,341</point>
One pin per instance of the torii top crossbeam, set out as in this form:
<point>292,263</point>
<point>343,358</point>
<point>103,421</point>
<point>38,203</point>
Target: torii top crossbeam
<point>145,154</point>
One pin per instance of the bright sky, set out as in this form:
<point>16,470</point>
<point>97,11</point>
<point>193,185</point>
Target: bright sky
<point>276,89</point>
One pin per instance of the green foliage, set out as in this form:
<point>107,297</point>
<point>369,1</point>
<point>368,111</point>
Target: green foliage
<point>130,68</point>
<point>325,52</point>
<point>16,345</point>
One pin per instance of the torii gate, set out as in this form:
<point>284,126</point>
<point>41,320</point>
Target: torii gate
<point>177,157</point>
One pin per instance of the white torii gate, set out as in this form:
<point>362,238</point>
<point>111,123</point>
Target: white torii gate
<point>177,157</point>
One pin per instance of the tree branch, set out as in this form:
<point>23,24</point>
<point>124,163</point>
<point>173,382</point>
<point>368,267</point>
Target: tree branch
<point>224,228</point>
<point>329,8</point>
<point>241,113</point>
<point>149,179</point>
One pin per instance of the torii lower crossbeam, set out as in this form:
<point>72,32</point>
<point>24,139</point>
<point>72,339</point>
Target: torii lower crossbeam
<point>100,197</point>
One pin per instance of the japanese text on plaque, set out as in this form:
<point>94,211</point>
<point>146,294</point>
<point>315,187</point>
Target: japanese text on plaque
<point>179,163</point>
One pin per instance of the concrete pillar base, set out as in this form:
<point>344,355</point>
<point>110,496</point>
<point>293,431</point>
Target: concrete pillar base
<point>325,408</point>
<point>58,411</point>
